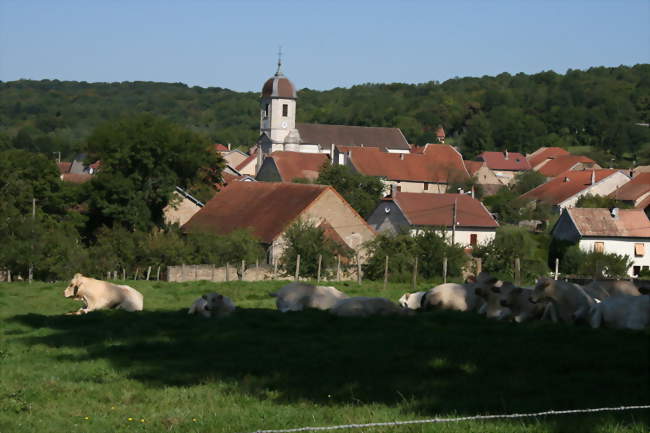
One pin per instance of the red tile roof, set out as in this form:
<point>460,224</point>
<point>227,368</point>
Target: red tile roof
<point>266,208</point>
<point>64,167</point>
<point>562,163</point>
<point>544,153</point>
<point>497,161</point>
<point>438,163</point>
<point>229,177</point>
<point>566,185</point>
<point>76,177</point>
<point>294,165</point>
<point>437,209</point>
<point>245,162</point>
<point>356,136</point>
<point>220,148</point>
<point>634,189</point>
<point>473,166</point>
<point>601,223</point>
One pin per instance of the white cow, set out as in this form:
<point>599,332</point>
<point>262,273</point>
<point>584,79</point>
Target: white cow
<point>622,311</point>
<point>297,296</point>
<point>411,301</point>
<point>517,302</point>
<point>459,297</point>
<point>362,306</point>
<point>212,304</point>
<point>97,295</point>
<point>603,289</point>
<point>570,302</point>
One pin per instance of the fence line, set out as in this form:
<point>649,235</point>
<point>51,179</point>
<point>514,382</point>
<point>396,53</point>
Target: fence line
<point>457,419</point>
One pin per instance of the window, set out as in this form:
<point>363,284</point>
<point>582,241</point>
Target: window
<point>398,188</point>
<point>599,247</point>
<point>636,270</point>
<point>473,239</point>
<point>285,110</point>
<point>426,186</point>
<point>639,250</point>
<point>266,110</point>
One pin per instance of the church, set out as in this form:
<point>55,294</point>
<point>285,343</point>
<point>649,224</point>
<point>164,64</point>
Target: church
<point>280,132</point>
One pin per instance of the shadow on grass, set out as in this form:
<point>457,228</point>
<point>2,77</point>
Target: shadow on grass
<point>442,362</point>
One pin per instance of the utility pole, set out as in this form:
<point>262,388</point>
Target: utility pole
<point>58,158</point>
<point>453,223</point>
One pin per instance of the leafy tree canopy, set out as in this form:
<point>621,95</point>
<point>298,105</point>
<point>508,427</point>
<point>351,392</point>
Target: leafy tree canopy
<point>362,192</point>
<point>599,201</point>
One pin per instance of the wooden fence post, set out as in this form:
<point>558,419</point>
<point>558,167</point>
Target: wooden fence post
<point>338,268</point>
<point>444,269</point>
<point>386,273</point>
<point>124,273</point>
<point>196,273</point>
<point>415,273</point>
<point>275,269</point>
<point>358,270</point>
<point>212,273</point>
<point>183,272</point>
<point>148,272</point>
<point>320,259</point>
<point>243,269</point>
<point>158,273</point>
<point>297,268</point>
<point>517,271</point>
<point>108,275</point>
<point>557,267</point>
<point>9,275</point>
<point>227,271</point>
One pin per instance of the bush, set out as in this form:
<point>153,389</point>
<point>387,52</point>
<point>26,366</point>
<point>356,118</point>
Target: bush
<point>309,241</point>
<point>498,256</point>
<point>594,264</point>
<point>429,246</point>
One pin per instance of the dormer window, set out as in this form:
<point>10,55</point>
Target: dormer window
<point>285,110</point>
<point>266,110</point>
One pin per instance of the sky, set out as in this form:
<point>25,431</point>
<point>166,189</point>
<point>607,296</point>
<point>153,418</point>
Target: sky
<point>325,44</point>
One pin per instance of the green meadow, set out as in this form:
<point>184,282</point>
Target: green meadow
<point>161,370</point>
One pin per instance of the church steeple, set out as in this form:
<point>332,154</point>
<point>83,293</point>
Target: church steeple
<point>277,108</point>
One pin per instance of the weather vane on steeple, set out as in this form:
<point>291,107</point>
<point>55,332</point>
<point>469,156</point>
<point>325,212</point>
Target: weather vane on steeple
<point>278,72</point>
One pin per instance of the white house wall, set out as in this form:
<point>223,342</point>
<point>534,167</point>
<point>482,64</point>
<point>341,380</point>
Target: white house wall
<point>463,235</point>
<point>622,246</point>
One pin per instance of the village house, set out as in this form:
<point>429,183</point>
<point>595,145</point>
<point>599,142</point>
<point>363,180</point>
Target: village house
<point>280,132</point>
<point>412,212</point>
<point>483,176</point>
<point>555,166</point>
<point>506,165</point>
<point>430,169</point>
<point>544,154</point>
<point>288,166</point>
<point>636,192</point>
<point>619,231</point>
<point>181,207</point>
<point>268,209</point>
<point>564,190</point>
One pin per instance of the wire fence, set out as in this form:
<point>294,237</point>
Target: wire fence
<point>457,419</point>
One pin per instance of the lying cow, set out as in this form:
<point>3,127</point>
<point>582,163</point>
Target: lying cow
<point>212,304</point>
<point>362,306</point>
<point>569,301</point>
<point>604,289</point>
<point>97,295</point>
<point>297,296</point>
<point>508,301</point>
<point>622,312</point>
<point>458,297</point>
<point>412,301</point>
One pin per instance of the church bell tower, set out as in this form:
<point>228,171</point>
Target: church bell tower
<point>278,110</point>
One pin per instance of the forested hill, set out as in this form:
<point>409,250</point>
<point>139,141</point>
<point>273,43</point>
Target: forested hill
<point>600,107</point>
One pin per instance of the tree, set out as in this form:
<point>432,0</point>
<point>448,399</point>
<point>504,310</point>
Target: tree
<point>143,159</point>
<point>309,241</point>
<point>527,180</point>
<point>362,192</point>
<point>594,264</point>
<point>599,201</point>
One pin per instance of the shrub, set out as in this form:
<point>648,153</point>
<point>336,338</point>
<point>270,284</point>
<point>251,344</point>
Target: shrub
<point>594,264</point>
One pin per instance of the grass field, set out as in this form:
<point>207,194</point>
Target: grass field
<point>161,370</point>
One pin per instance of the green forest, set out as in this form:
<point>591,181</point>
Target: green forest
<point>596,111</point>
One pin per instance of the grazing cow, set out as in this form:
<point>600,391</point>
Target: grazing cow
<point>458,297</point>
<point>412,301</point>
<point>212,304</point>
<point>297,296</point>
<point>362,306</point>
<point>97,295</point>
<point>604,289</point>
<point>622,311</point>
<point>570,302</point>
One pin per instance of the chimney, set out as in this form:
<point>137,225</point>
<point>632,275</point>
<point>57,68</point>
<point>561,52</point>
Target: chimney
<point>361,145</point>
<point>593,177</point>
<point>228,146</point>
<point>332,154</point>
<point>506,152</point>
<point>401,156</point>
<point>566,179</point>
<point>393,190</point>
<point>614,213</point>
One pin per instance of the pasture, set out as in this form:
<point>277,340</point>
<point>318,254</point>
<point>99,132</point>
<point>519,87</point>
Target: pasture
<point>162,370</point>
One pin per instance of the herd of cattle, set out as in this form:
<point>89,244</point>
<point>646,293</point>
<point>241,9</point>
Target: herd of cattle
<point>616,304</point>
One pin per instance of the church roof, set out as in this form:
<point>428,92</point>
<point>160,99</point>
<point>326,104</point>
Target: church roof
<point>357,136</point>
<point>279,86</point>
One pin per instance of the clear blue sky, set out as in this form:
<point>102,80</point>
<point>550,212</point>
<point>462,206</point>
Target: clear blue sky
<point>326,44</point>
